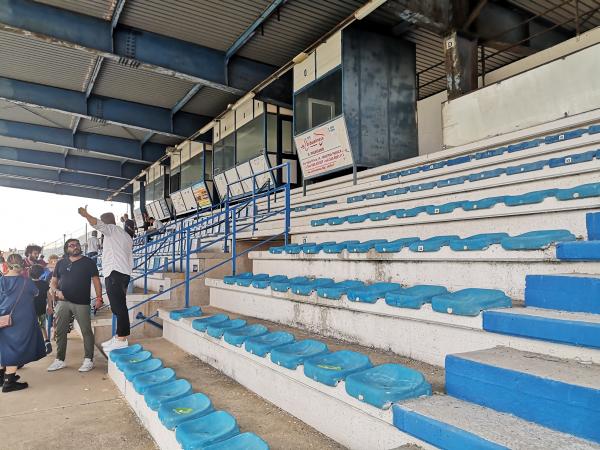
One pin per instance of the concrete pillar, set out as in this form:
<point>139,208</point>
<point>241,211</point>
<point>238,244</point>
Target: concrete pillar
<point>461,64</point>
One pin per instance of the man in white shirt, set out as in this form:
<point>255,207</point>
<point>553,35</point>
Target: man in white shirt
<point>117,265</point>
<point>93,245</point>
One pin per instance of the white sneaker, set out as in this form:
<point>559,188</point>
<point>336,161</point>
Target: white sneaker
<point>56,365</point>
<point>109,342</point>
<point>117,344</point>
<point>87,365</point>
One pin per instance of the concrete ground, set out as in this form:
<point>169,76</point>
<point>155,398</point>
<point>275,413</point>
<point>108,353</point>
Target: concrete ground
<point>68,410</point>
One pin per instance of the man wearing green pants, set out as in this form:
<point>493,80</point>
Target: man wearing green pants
<point>70,285</point>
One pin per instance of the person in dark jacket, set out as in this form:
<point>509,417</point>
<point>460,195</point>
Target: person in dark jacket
<point>22,342</point>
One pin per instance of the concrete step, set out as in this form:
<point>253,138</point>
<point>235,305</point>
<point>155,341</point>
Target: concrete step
<point>571,328</point>
<point>565,292</point>
<point>450,423</point>
<point>557,393</point>
<point>421,333</point>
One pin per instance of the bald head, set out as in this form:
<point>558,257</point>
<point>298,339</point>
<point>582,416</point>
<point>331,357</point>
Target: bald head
<point>108,218</point>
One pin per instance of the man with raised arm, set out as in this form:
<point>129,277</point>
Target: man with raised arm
<point>117,265</point>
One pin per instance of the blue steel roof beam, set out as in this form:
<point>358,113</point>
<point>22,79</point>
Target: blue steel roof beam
<point>60,176</point>
<point>61,189</point>
<point>75,163</point>
<point>150,51</point>
<point>118,112</point>
<point>62,137</point>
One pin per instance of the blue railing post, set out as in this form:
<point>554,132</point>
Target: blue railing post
<point>233,242</point>
<point>254,212</point>
<point>225,243</point>
<point>174,247</point>
<point>146,268</point>
<point>188,249</point>
<point>287,204</point>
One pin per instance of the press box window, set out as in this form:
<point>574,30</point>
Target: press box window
<point>251,140</point>
<point>318,103</point>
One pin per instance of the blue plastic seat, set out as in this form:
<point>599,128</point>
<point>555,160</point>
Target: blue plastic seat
<point>337,248</point>
<point>565,136</point>
<point>262,284</point>
<point>308,287</point>
<point>132,370</point>
<point>243,441</point>
<point>373,195</point>
<point>371,293</point>
<point>335,291</point>
<point>173,390</point>
<point>477,241</point>
<point>389,176</point>
<point>524,145</point>
<point>318,222</point>
<point>494,173</point>
<point>143,382</point>
<point>216,330</point>
<point>537,240</point>
<point>247,281</point>
<point>300,208</point>
<point>572,159</point>
<point>214,427</point>
<point>261,345</point>
<point>450,181</point>
<point>203,323</point>
<point>484,203</point>
<point>175,412</point>
<point>357,218</point>
<point>231,279</point>
<point>432,244</point>
<point>433,166</point>
<point>355,198</point>
<point>527,167</point>
<point>336,220</point>
<point>395,246</point>
<point>459,160</point>
<point>284,286</point>
<point>122,360</point>
<point>411,171</point>
<point>470,302</point>
<point>396,191</point>
<point>375,217</point>
<point>314,248</point>
<point>292,355</point>
<point>422,187</point>
<point>279,250</point>
<point>135,348</point>
<point>443,209</point>
<point>490,153</point>
<point>238,336</point>
<point>383,385</point>
<point>364,247</point>
<point>414,297</point>
<point>583,191</point>
<point>331,368</point>
<point>412,212</point>
<point>529,198</point>
<point>192,311</point>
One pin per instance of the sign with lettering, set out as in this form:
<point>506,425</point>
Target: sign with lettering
<point>201,195</point>
<point>324,149</point>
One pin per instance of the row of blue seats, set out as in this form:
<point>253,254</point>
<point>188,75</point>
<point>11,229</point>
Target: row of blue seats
<point>314,205</point>
<point>379,386</point>
<point>465,302</point>
<point>493,173</point>
<point>532,240</point>
<point>593,129</point>
<point>196,423</point>
<point>529,198</point>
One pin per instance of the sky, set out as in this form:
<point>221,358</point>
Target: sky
<point>29,217</point>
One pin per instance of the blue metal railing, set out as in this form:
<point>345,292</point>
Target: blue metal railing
<point>233,217</point>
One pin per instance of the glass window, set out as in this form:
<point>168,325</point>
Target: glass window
<point>150,192</point>
<point>136,199</point>
<point>218,150</point>
<point>318,103</point>
<point>250,139</point>
<point>272,132</point>
<point>208,165</point>
<point>229,152</point>
<point>192,171</point>
<point>159,188</point>
<point>287,138</point>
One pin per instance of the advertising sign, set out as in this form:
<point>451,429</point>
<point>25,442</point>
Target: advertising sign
<point>324,149</point>
<point>201,195</point>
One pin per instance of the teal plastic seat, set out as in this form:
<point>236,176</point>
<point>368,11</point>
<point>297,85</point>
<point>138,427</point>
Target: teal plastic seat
<point>537,240</point>
<point>385,384</point>
<point>310,286</point>
<point>371,293</point>
<point>414,297</point>
<point>264,283</point>
<point>335,291</point>
<point>443,209</point>
<point>314,248</point>
<point>412,212</point>
<point>175,412</point>
<point>122,360</point>
<point>238,336</point>
<point>357,218</point>
<point>231,279</point>
<point>338,247</point>
<point>216,330</point>
<point>198,433</point>
<point>395,246</point>
<point>432,244</point>
<point>484,203</point>
<point>203,323</point>
<point>244,441</point>
<point>143,382</point>
<point>583,191</point>
<point>115,354</point>
<point>284,286</point>
<point>477,241</point>
<point>292,355</point>
<point>331,368</point>
<point>364,247</point>
<point>134,369</point>
<point>470,302</point>
<point>261,345</point>
<point>192,311</point>
<point>247,281</point>
<point>486,174</point>
<point>162,393</point>
<point>450,182</point>
<point>530,198</point>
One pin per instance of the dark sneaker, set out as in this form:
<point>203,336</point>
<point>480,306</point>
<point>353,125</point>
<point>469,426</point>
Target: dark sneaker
<point>48,347</point>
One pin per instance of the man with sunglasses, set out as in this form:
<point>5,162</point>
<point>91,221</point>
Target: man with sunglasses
<point>70,287</point>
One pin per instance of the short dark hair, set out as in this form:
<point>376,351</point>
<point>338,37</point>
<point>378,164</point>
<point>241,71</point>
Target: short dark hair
<point>36,272</point>
<point>32,248</point>
<point>108,218</point>
<point>67,244</point>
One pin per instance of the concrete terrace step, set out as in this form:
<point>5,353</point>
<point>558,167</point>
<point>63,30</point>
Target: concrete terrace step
<point>450,423</point>
<point>557,393</point>
<point>572,328</point>
<point>423,333</point>
<point>576,292</point>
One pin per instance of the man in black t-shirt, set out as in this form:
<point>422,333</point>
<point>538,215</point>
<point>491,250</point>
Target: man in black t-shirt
<point>70,286</point>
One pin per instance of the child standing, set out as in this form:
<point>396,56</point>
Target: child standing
<point>40,301</point>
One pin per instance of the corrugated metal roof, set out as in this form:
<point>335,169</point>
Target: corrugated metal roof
<point>212,23</point>
<point>564,12</point>
<point>41,62</point>
<point>97,8</point>
<point>37,116</point>
<point>20,143</point>
<point>139,85</point>
<point>209,102</point>
<point>90,126</point>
